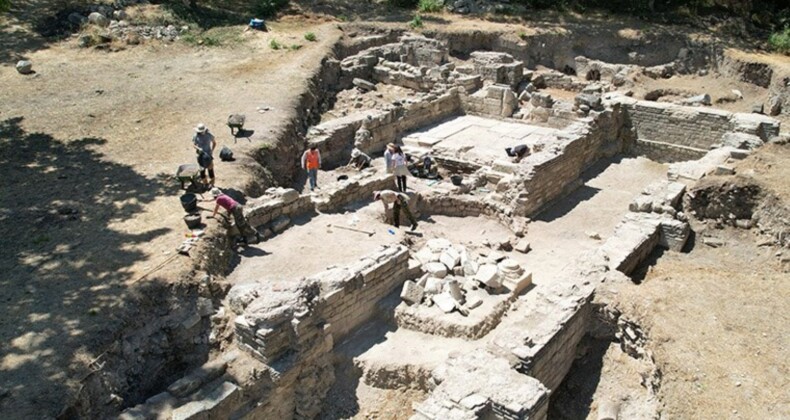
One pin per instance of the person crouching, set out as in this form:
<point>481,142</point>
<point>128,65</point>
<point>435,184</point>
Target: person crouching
<point>400,203</point>
<point>237,210</point>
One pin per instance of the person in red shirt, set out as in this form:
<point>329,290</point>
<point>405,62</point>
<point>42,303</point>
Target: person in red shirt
<point>237,210</point>
<point>311,161</point>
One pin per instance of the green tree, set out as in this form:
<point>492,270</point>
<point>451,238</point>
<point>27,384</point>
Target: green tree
<point>5,5</point>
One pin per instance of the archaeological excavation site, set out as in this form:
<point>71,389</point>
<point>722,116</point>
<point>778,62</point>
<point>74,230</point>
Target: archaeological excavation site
<point>531,287</point>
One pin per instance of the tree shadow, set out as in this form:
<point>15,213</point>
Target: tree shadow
<point>64,289</point>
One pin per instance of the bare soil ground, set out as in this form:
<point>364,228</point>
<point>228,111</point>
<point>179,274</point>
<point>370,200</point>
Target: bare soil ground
<point>89,145</point>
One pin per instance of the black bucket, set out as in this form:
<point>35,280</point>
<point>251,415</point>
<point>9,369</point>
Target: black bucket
<point>193,221</point>
<point>189,202</point>
<point>456,179</point>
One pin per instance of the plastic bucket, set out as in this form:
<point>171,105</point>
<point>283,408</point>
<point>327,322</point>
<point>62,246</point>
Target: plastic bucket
<point>189,202</point>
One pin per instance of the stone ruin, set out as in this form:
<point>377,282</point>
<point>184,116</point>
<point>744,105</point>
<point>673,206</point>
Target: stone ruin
<point>502,331</point>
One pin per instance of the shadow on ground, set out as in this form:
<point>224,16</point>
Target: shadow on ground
<point>63,288</point>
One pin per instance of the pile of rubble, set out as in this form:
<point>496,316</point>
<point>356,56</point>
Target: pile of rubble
<point>456,279</point>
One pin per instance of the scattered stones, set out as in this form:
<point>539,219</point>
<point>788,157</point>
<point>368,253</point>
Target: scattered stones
<point>24,67</point>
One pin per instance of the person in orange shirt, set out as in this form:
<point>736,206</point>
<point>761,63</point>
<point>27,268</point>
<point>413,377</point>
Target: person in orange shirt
<point>311,162</point>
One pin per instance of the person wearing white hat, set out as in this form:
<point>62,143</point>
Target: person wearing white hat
<point>204,144</point>
<point>359,160</point>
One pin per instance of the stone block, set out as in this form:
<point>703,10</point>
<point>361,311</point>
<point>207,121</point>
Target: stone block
<point>517,286</point>
<point>522,246</point>
<point>433,286</point>
<point>488,274</point>
<point>211,406</point>
<point>436,269</point>
<point>445,302</point>
<point>473,301</point>
<point>205,307</point>
<point>412,293</point>
<point>280,223</point>
<point>450,258</point>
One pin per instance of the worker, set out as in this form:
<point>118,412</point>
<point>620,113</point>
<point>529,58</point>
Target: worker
<point>400,168</point>
<point>518,152</point>
<point>237,210</point>
<point>311,162</point>
<point>359,160</point>
<point>388,157</point>
<point>400,203</point>
<point>204,143</point>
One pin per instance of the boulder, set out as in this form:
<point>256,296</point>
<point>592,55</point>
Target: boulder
<point>470,267</point>
<point>412,293</point>
<point>424,256</point>
<point>98,19</point>
<point>24,67</point>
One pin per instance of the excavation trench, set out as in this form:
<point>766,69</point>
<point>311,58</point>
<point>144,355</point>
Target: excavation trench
<point>311,322</point>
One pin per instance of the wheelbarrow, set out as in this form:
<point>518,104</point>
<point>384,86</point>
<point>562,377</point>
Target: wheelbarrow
<point>188,175</point>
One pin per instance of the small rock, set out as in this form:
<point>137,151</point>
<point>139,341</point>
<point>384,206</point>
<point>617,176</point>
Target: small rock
<point>594,235</point>
<point>712,242</point>
<point>24,67</point>
<point>363,85</point>
<point>757,108</point>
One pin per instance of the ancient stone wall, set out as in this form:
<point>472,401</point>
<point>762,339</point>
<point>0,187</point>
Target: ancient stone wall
<point>275,203</point>
<point>335,138</point>
<point>552,174</point>
<point>660,126</point>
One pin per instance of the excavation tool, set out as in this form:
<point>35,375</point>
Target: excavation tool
<point>369,233</point>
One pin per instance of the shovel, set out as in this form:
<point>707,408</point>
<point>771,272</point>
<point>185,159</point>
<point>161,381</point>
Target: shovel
<point>369,233</point>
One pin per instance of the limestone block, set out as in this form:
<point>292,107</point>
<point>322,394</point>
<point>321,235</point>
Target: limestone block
<point>288,195</point>
<point>425,255</point>
<point>518,285</point>
<point>473,301</point>
<point>522,246</point>
<point>642,203</point>
<point>470,268</point>
<point>412,293</point>
<point>741,141</point>
<point>205,307</point>
<point>280,223</point>
<point>195,379</point>
<point>436,269</point>
<point>438,244</point>
<point>445,302</point>
<point>210,406</point>
<point>433,286</point>
<point>488,274</point>
<point>450,258</point>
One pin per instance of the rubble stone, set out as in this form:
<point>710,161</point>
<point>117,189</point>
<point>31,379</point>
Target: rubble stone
<point>488,274</point>
<point>444,301</point>
<point>412,293</point>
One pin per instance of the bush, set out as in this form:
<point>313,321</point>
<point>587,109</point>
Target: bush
<point>310,37</point>
<point>273,44</point>
<point>295,47</point>
<point>267,8</point>
<point>416,22</point>
<point>780,41</point>
<point>429,6</point>
<point>407,4</point>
